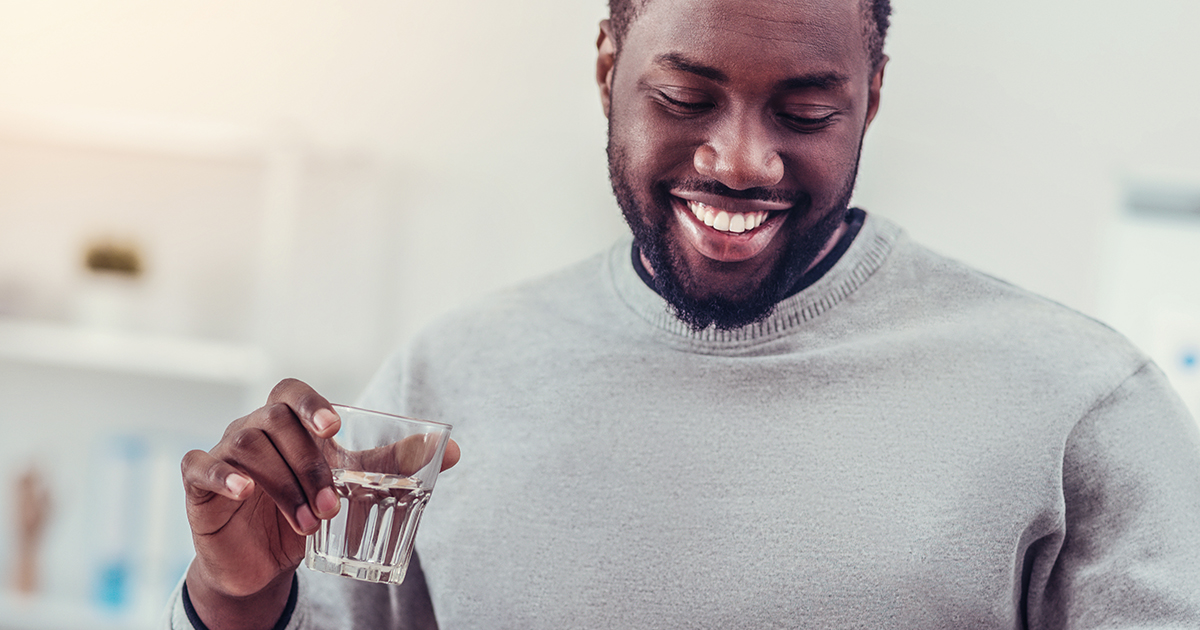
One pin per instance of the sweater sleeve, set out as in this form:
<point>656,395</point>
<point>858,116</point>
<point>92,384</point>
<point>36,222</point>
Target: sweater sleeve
<point>328,602</point>
<point>1129,551</point>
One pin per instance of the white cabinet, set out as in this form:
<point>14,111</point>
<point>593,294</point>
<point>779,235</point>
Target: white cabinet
<point>263,259</point>
<point>105,418</point>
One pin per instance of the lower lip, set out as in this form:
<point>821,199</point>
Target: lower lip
<point>726,246</point>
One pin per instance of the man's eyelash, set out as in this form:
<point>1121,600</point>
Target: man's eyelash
<point>807,121</point>
<point>695,106</point>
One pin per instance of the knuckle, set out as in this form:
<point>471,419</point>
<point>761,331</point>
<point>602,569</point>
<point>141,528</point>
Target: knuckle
<point>191,460</point>
<point>289,493</point>
<point>215,469</point>
<point>279,415</point>
<point>235,425</point>
<point>246,441</point>
<point>281,388</point>
<point>315,474</point>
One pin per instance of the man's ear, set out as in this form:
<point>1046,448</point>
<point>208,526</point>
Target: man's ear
<point>874,90</point>
<point>606,57</point>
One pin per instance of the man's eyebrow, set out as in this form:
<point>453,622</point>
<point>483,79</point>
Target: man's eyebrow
<point>676,61</point>
<point>819,81</point>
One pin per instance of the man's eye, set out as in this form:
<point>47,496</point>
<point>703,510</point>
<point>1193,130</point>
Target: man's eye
<point>684,105</point>
<point>806,124</point>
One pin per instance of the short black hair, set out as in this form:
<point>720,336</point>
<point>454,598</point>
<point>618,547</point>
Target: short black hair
<point>622,13</point>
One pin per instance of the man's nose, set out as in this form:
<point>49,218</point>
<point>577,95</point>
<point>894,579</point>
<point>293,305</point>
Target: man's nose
<point>740,155</point>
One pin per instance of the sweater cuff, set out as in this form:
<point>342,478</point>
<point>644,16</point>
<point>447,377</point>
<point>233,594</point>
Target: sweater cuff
<point>286,617</point>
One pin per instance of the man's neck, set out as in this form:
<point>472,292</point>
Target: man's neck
<point>830,243</point>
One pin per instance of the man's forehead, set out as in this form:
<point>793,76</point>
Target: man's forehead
<point>782,15</point>
<point>821,28</point>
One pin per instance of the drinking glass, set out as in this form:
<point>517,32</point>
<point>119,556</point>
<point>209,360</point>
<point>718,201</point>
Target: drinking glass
<point>384,467</point>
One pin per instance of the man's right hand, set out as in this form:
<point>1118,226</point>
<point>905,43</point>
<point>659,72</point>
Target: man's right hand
<point>251,501</point>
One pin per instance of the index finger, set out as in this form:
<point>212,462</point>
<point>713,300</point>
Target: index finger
<point>311,408</point>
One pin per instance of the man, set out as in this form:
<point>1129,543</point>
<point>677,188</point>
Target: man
<point>765,411</point>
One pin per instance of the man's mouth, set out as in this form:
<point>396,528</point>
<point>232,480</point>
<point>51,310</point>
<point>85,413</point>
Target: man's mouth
<point>728,229</point>
<point>729,214</point>
<point>725,221</point>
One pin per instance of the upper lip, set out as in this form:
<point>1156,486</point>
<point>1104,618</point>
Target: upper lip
<point>731,204</point>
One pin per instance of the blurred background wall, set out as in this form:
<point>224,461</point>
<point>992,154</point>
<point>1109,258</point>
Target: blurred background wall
<point>303,184</point>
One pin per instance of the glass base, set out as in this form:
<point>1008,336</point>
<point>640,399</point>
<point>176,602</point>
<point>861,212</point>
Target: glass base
<point>365,571</point>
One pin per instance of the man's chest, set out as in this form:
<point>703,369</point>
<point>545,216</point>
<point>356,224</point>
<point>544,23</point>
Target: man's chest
<point>694,488</point>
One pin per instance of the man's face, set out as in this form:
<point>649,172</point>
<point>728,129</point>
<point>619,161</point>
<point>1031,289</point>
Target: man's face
<point>734,135</point>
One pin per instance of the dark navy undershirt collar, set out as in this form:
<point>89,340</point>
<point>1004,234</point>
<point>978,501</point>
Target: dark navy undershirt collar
<point>854,222</point>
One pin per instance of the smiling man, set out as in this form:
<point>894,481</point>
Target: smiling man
<point>765,410</point>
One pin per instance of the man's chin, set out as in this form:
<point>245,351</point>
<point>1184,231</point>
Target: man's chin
<point>719,313</point>
<point>700,307</point>
<point>712,309</point>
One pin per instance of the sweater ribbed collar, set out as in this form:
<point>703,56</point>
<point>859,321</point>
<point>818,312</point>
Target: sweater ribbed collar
<point>864,256</point>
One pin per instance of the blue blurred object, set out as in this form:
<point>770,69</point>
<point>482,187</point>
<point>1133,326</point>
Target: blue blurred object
<point>121,473</point>
<point>112,585</point>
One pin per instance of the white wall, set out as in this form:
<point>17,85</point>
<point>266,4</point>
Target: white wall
<point>1008,129</point>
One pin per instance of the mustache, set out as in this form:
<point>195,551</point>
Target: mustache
<point>712,187</point>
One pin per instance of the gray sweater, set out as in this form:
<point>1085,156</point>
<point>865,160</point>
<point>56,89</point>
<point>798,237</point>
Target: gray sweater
<point>907,443</point>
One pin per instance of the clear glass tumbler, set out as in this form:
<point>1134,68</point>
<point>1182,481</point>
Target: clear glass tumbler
<point>384,467</point>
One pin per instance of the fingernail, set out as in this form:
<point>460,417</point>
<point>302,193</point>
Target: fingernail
<point>236,483</point>
<point>305,518</point>
<point>327,501</point>
<point>324,418</point>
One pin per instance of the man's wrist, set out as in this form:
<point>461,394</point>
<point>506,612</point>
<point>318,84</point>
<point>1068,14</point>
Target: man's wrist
<point>210,609</point>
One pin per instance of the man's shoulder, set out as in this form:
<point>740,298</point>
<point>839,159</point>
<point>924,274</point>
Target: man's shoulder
<point>994,311</point>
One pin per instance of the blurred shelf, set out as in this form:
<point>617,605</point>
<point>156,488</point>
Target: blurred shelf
<point>186,138</point>
<point>164,356</point>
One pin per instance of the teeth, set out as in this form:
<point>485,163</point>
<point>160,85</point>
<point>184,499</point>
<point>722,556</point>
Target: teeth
<point>736,222</point>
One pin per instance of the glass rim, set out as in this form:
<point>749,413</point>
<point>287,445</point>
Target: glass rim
<point>337,406</point>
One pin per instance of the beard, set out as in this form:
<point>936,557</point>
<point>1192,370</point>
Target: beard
<point>674,281</point>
